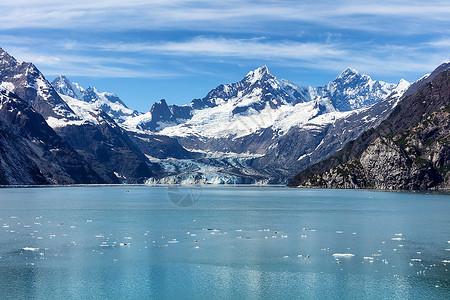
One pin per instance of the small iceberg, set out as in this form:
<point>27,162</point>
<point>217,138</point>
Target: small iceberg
<point>30,249</point>
<point>343,254</point>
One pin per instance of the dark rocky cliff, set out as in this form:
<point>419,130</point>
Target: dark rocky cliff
<point>409,150</point>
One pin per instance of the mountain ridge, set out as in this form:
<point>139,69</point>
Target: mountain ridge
<point>409,150</point>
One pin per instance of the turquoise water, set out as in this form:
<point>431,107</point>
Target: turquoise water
<point>135,242</point>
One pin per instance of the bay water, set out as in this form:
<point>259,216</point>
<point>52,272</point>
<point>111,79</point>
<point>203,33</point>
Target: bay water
<point>222,242</point>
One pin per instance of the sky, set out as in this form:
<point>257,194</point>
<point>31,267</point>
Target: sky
<point>180,49</point>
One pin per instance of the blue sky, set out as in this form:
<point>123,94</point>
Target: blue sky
<point>179,50</point>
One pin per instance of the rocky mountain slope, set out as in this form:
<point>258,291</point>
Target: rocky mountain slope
<point>99,142</point>
<point>32,153</point>
<point>409,150</point>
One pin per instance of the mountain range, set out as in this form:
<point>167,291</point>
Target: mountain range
<point>409,150</point>
<point>261,129</point>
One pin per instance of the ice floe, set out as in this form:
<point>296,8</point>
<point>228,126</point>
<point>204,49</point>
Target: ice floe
<point>343,255</point>
<point>30,249</point>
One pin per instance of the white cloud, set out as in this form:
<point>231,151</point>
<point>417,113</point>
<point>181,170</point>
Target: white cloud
<point>226,16</point>
<point>242,48</point>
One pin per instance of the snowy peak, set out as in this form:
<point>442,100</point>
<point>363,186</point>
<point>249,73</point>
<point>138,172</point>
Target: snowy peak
<point>63,86</point>
<point>160,111</point>
<point>348,72</point>
<point>256,90</point>
<point>260,74</point>
<point>26,81</point>
<point>160,116</point>
<point>352,90</point>
<point>108,102</point>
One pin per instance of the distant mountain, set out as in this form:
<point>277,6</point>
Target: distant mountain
<point>258,93</point>
<point>278,126</point>
<point>110,103</point>
<point>351,90</point>
<point>261,129</point>
<point>409,150</point>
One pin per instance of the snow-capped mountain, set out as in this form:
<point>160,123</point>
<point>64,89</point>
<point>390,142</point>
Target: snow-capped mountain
<point>279,127</point>
<point>352,90</point>
<point>110,103</point>
<point>26,81</point>
<point>91,133</point>
<point>259,130</point>
<point>409,150</point>
<point>32,153</point>
<point>260,101</point>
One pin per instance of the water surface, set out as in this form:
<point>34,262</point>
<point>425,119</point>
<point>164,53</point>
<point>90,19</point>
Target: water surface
<point>219,242</point>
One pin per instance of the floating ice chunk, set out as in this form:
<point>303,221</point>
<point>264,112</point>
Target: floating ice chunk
<point>30,249</point>
<point>89,221</point>
<point>446,261</point>
<point>196,247</point>
<point>286,256</point>
<point>99,236</point>
<point>128,237</point>
<point>368,257</point>
<point>398,234</point>
<point>397,239</point>
<point>416,259</point>
<point>339,231</point>
<point>343,255</point>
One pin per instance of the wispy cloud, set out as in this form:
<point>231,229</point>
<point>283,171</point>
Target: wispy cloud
<point>223,47</point>
<point>225,16</point>
<point>91,66</point>
<point>142,38</point>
